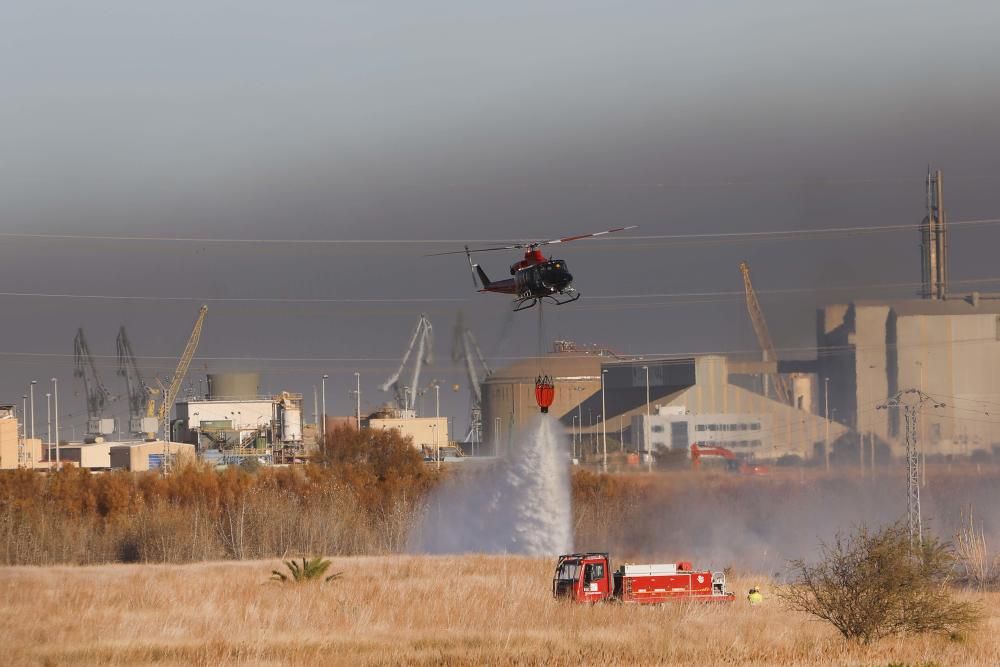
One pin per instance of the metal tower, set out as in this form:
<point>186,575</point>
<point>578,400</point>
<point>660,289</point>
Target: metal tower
<point>912,401</point>
<point>934,241</point>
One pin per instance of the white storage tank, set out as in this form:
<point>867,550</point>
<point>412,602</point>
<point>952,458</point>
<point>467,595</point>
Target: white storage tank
<point>291,424</point>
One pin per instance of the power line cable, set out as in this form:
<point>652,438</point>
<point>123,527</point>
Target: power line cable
<point>703,297</point>
<point>802,232</point>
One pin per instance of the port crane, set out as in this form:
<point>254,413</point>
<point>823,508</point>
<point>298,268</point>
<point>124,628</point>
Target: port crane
<point>141,397</point>
<point>464,348</point>
<point>97,395</point>
<point>422,343</point>
<point>778,381</point>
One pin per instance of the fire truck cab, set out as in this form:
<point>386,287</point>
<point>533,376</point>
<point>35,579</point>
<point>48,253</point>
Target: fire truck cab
<point>587,577</point>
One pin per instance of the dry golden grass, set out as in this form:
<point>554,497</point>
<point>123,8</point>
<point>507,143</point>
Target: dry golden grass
<point>410,610</point>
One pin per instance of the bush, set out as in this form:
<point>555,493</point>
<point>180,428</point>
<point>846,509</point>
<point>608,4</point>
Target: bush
<point>872,584</point>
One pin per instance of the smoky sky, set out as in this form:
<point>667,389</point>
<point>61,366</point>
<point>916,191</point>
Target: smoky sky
<point>456,121</point>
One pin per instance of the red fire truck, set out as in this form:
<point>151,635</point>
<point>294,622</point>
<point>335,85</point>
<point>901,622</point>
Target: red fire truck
<point>587,577</point>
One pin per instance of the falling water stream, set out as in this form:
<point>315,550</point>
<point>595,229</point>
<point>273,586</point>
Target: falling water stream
<point>520,505</point>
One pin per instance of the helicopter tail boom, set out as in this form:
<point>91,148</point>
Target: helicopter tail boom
<point>482,277</point>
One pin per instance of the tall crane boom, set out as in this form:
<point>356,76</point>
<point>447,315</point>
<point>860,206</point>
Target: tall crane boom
<point>422,341</point>
<point>778,381</point>
<point>139,393</point>
<point>182,369</point>
<point>465,348</point>
<point>96,393</point>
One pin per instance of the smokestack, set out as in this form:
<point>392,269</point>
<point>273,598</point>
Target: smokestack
<point>934,241</point>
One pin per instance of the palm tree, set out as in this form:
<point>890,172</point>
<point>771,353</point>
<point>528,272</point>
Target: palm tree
<point>309,569</point>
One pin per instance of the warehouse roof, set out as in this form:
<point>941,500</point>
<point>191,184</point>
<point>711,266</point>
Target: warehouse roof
<point>560,366</point>
<point>982,304</point>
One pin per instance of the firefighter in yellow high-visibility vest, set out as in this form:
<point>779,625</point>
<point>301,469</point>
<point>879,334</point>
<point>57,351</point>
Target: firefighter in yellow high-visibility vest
<point>754,596</point>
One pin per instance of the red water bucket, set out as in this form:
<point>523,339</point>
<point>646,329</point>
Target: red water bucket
<point>545,393</point>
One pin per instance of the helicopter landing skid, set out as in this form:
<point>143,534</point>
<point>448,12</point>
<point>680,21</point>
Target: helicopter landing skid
<point>531,301</point>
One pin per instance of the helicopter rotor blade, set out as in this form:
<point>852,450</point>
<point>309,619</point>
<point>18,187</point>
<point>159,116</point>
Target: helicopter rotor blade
<point>567,239</point>
<point>533,244</point>
<point>467,251</point>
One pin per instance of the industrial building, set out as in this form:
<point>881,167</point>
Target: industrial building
<point>714,412</point>
<point>426,432</point>
<point>508,394</point>
<point>235,419</point>
<point>946,348</point>
<point>690,400</point>
<point>16,451</point>
<point>93,456</point>
<point>944,345</point>
<point>145,456</point>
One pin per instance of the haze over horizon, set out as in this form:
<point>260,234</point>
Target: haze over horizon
<point>450,121</point>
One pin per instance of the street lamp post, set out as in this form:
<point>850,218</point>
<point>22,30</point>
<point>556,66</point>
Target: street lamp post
<point>645,430</point>
<point>437,450</point>
<point>323,430</point>
<point>604,458</point>
<point>604,424</point>
<point>197,431</point>
<point>32,396</point>
<point>591,444</point>
<point>48,419</point>
<point>826,414</point>
<point>55,398</point>
<point>573,432</point>
<point>357,397</point>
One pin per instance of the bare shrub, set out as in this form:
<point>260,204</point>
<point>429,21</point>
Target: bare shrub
<point>872,584</point>
<point>363,499</point>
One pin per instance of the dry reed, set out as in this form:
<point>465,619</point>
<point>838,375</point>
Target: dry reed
<point>412,610</point>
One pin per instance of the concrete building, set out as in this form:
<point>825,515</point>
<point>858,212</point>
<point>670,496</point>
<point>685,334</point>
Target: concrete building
<point>947,348</point>
<point>93,456</point>
<point>688,393</point>
<point>143,456</point>
<point>430,432</point>
<point>714,412</point>
<point>15,451</point>
<point>508,395</point>
<point>255,426</point>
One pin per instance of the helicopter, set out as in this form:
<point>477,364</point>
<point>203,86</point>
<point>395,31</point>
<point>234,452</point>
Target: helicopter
<point>535,277</point>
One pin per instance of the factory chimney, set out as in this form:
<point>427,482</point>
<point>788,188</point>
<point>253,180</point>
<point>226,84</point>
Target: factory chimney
<point>934,242</point>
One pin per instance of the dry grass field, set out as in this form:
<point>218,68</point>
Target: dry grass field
<point>411,610</point>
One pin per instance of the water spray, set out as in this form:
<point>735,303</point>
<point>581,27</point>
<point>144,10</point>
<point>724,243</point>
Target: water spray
<point>521,505</point>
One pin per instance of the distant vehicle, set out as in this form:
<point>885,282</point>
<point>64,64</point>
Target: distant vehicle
<point>733,462</point>
<point>535,277</point>
<point>587,577</point>
<point>446,454</point>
